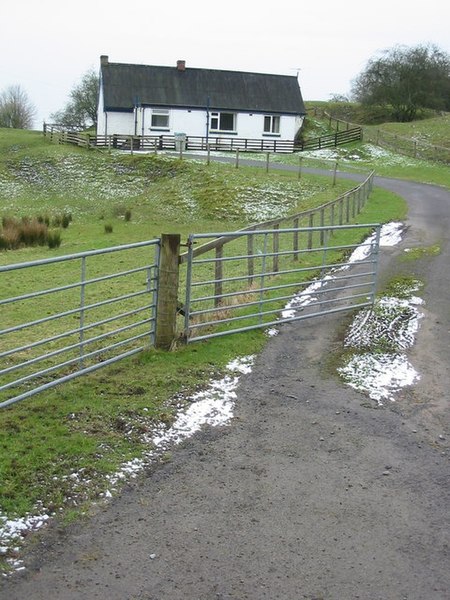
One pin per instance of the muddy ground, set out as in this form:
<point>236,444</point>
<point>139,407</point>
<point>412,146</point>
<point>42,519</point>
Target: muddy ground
<point>311,492</point>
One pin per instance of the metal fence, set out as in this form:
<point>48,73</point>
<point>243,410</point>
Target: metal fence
<point>262,278</point>
<point>73,314</point>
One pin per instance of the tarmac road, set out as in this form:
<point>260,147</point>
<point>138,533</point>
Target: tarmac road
<point>310,493</point>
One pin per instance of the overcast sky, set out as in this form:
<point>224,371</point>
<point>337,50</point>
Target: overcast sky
<point>46,46</point>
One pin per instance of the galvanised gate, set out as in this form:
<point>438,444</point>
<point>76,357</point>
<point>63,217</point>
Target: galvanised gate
<point>68,316</point>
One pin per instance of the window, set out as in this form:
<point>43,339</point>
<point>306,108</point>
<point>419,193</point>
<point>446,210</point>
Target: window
<point>222,121</point>
<point>271,124</point>
<point>160,119</point>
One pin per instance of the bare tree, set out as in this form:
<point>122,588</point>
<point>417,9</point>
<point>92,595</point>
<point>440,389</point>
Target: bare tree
<point>81,110</point>
<point>16,110</point>
<point>406,80</point>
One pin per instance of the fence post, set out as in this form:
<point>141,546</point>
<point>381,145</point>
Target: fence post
<point>267,162</point>
<point>335,172</point>
<point>300,167</point>
<point>237,158</point>
<point>166,310</point>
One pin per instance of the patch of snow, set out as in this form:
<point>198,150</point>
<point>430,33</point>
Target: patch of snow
<point>392,319</point>
<point>272,332</point>
<point>11,532</point>
<point>379,375</point>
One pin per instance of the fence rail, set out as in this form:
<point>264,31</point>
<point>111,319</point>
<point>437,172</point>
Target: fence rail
<point>336,212</point>
<point>198,143</point>
<point>91,314</point>
<point>166,142</point>
<point>339,138</point>
<point>415,148</point>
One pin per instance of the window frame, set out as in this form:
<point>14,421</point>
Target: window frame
<point>216,114</point>
<point>160,112</point>
<point>274,125</point>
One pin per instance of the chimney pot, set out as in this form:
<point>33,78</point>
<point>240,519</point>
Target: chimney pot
<point>103,60</point>
<point>181,65</point>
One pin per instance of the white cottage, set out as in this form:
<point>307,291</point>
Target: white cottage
<point>147,100</point>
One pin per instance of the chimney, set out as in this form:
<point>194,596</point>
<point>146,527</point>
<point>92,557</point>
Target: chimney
<point>181,65</point>
<point>103,60</point>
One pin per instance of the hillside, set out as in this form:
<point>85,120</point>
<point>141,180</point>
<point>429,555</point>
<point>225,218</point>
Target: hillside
<point>40,179</point>
<point>432,128</point>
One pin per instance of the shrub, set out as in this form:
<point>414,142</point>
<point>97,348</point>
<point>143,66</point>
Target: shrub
<point>127,215</point>
<point>54,239</point>
<point>108,228</point>
<point>10,238</point>
<point>33,233</point>
<point>65,220</point>
<point>27,232</point>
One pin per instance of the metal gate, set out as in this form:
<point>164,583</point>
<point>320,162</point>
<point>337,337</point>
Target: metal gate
<point>73,314</point>
<point>66,316</point>
<point>250,279</point>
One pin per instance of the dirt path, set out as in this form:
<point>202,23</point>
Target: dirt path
<point>311,492</point>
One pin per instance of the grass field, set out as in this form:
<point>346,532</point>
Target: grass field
<point>59,449</point>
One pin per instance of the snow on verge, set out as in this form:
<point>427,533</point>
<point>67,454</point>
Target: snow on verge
<point>212,406</point>
<point>391,324</point>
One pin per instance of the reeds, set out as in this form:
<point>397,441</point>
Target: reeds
<point>17,233</point>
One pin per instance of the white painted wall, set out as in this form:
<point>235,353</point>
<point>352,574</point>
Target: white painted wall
<point>192,122</point>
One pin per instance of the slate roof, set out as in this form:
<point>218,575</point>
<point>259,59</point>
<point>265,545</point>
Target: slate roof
<point>124,85</point>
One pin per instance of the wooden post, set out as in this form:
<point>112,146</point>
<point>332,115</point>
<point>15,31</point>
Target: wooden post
<point>300,167</point>
<point>208,150</point>
<point>166,310</point>
<point>237,158</point>
<point>334,173</point>
<point>267,162</point>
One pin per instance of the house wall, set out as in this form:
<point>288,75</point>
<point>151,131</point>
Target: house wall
<point>192,122</point>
